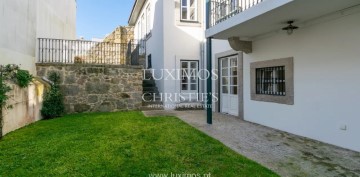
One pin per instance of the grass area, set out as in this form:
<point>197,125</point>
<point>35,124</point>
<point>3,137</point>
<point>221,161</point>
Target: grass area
<point>118,144</point>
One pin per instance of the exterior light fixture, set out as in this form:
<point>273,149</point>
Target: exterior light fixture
<point>290,28</point>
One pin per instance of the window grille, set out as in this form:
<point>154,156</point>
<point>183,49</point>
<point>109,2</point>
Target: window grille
<point>271,81</point>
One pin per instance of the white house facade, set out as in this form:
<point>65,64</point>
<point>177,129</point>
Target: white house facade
<point>289,64</point>
<point>172,34</point>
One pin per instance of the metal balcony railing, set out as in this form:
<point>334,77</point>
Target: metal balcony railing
<point>221,10</point>
<point>86,52</point>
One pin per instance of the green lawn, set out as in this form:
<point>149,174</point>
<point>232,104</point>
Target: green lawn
<point>118,144</point>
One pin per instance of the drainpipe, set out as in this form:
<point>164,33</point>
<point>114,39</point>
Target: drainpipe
<point>209,81</point>
<point>209,67</point>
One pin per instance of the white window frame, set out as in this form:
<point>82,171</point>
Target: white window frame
<point>143,26</point>
<point>139,30</point>
<point>188,8</point>
<point>148,19</point>
<point>190,75</point>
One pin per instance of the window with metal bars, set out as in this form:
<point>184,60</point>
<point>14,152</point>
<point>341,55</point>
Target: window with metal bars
<point>271,81</point>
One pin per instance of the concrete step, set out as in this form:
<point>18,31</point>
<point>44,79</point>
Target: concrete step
<point>192,106</point>
<point>151,107</point>
<point>158,102</point>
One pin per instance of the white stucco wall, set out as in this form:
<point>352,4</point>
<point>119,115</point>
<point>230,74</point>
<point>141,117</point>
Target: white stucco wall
<point>326,60</point>
<point>170,42</point>
<point>155,43</point>
<point>326,69</point>
<point>182,42</point>
<point>23,21</point>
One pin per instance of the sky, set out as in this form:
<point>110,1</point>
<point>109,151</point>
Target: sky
<point>97,18</point>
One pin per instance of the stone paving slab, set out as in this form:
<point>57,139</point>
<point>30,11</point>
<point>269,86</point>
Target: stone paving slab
<point>284,153</point>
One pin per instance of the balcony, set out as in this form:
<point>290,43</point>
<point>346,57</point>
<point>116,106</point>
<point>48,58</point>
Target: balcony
<point>88,52</point>
<point>222,10</point>
<point>248,19</point>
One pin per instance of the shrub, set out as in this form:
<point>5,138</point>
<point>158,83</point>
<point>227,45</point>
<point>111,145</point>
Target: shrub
<point>23,78</point>
<point>53,105</point>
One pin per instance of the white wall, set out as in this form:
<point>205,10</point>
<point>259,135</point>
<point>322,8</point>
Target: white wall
<point>155,43</point>
<point>327,84</point>
<point>23,21</point>
<point>182,42</point>
<point>56,19</point>
<point>170,42</point>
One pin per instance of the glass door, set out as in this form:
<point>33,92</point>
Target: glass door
<point>229,85</point>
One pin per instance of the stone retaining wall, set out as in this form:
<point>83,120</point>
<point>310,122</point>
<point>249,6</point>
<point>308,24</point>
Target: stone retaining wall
<point>97,88</point>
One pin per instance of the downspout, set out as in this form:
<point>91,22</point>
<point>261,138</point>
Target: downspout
<point>209,81</point>
<point>209,66</point>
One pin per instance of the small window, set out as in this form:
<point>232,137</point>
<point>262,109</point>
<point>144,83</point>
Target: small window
<point>189,10</point>
<point>271,81</point>
<point>149,62</point>
<point>189,80</point>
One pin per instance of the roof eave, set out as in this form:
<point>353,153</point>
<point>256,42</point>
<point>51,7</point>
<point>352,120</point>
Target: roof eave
<point>135,12</point>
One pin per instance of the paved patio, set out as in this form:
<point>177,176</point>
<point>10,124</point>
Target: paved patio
<point>284,153</point>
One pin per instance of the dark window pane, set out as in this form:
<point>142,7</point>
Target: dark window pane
<point>184,65</point>
<point>225,72</point>
<point>184,13</point>
<point>225,81</point>
<point>234,81</point>
<point>225,89</point>
<point>184,87</point>
<point>234,72</point>
<point>233,62</point>
<point>234,90</point>
<point>225,63</point>
<point>193,65</point>
<point>193,86</point>
<point>184,2</point>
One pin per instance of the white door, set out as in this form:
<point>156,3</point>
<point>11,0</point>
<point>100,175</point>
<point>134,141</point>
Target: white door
<point>229,102</point>
<point>189,80</point>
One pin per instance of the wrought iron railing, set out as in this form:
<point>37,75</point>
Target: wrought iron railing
<point>86,52</point>
<point>221,10</point>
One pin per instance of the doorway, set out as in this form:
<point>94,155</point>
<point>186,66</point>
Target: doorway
<point>229,86</point>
